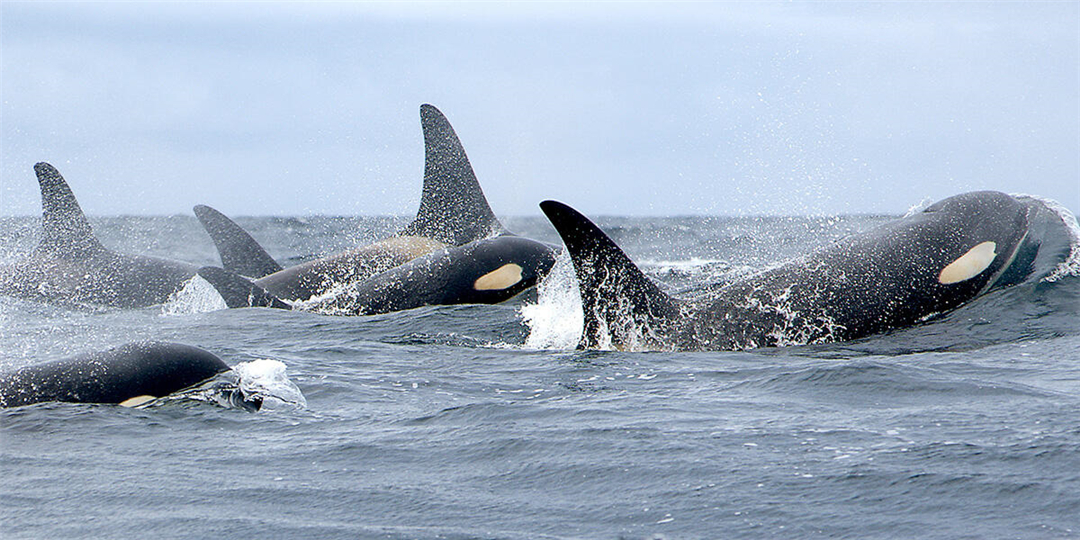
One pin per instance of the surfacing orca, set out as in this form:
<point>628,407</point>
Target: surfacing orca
<point>70,265</point>
<point>129,375</point>
<point>453,211</point>
<point>486,271</point>
<point>895,275</point>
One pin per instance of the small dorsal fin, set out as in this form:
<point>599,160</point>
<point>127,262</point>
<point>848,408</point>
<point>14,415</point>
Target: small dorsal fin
<point>237,291</point>
<point>64,227</point>
<point>453,209</point>
<point>239,252</point>
<point>619,302</point>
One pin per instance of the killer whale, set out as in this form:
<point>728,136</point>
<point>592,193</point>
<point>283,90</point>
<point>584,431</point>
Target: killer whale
<point>486,271</point>
<point>70,266</point>
<point>895,275</point>
<point>128,375</point>
<point>239,252</point>
<point>453,211</point>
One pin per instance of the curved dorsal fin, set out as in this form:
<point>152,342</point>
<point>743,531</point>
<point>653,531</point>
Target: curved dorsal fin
<point>620,304</point>
<point>453,209</point>
<point>237,291</point>
<point>64,227</point>
<point>239,252</point>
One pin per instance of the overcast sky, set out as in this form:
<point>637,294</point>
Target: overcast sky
<point>616,108</point>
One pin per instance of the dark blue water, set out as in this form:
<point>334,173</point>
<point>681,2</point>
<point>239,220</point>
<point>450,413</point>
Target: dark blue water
<point>484,422</point>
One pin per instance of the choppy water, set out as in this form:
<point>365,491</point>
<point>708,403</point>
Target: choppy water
<point>441,423</point>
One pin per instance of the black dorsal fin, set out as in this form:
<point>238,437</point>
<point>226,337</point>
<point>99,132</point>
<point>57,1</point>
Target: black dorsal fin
<point>621,305</point>
<point>64,227</point>
<point>237,291</point>
<point>453,209</point>
<point>239,252</point>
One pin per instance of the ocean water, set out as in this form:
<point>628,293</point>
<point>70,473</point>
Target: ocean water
<point>483,422</point>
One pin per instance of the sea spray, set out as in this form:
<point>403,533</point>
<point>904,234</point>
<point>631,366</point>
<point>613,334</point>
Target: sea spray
<point>265,379</point>
<point>555,321</point>
<point>197,296</point>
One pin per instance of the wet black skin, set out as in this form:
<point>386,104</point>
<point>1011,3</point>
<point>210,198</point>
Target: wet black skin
<point>113,376</point>
<point>884,278</point>
<point>444,277</point>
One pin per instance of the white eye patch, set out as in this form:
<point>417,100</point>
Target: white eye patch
<point>505,276</point>
<point>969,264</point>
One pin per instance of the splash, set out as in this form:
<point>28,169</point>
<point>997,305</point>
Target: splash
<point>340,299</point>
<point>197,296</point>
<point>259,385</point>
<point>265,380</point>
<point>792,328</point>
<point>632,335</point>
<point>918,207</point>
<point>556,320</point>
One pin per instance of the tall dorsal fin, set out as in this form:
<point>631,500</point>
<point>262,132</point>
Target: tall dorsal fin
<point>64,227</point>
<point>239,252</point>
<point>237,291</point>
<point>620,304</point>
<point>453,209</point>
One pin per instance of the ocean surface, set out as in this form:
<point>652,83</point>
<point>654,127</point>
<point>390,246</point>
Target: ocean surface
<point>484,422</point>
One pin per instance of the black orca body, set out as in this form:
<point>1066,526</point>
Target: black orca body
<point>70,266</point>
<point>892,276</point>
<point>127,375</point>
<point>453,212</point>
<point>486,271</point>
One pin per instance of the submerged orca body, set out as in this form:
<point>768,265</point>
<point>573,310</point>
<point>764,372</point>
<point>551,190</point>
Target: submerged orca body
<point>486,271</point>
<point>453,212</point>
<point>892,276</point>
<point>70,266</point>
<point>128,375</point>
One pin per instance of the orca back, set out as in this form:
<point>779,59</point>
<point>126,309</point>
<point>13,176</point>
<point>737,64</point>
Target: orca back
<point>152,369</point>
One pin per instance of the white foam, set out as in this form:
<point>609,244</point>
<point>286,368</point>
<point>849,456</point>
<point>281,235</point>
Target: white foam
<point>340,298</point>
<point>197,296</point>
<point>266,379</point>
<point>556,320</point>
<point>693,264</point>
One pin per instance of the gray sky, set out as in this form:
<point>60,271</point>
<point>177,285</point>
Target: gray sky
<point>616,108</point>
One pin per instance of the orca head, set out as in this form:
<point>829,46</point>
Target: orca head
<point>503,266</point>
<point>976,237</point>
<point>130,375</point>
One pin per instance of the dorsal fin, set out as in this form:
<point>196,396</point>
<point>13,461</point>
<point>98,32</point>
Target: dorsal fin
<point>621,306</point>
<point>453,209</point>
<point>64,227</point>
<point>239,252</point>
<point>237,291</point>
